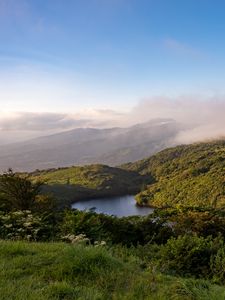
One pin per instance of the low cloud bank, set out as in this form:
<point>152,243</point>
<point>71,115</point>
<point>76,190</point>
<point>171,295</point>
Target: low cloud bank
<point>29,121</point>
<point>199,119</point>
<point>39,121</point>
<point>21,126</point>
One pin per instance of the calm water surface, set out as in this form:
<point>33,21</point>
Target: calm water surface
<point>118,206</point>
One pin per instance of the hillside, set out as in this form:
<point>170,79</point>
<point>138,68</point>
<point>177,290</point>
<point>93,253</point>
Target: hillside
<point>81,146</point>
<point>52,271</point>
<point>76,183</point>
<point>192,175</point>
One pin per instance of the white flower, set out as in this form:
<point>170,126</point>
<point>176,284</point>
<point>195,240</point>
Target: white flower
<point>18,213</point>
<point>8,225</point>
<point>76,239</point>
<point>27,224</point>
<point>99,243</point>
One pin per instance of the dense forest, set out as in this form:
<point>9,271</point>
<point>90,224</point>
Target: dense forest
<point>192,175</point>
<point>50,251</point>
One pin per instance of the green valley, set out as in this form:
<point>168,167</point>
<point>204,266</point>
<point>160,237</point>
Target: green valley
<point>187,175</point>
<point>50,251</point>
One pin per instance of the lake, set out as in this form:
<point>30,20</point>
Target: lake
<point>119,206</point>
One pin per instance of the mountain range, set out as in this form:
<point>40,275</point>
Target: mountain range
<point>111,146</point>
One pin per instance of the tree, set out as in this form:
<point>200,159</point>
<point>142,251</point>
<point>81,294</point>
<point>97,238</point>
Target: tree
<point>18,191</point>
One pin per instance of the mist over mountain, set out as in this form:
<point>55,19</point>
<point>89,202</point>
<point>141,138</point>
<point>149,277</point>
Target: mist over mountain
<point>110,146</point>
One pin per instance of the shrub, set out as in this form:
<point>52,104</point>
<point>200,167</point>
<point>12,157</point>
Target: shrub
<point>217,265</point>
<point>189,255</point>
<point>17,191</point>
<point>25,225</point>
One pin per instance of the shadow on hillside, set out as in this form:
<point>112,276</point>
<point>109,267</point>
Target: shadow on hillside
<point>66,194</point>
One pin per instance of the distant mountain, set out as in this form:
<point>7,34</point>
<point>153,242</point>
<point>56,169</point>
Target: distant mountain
<point>188,175</point>
<point>112,146</point>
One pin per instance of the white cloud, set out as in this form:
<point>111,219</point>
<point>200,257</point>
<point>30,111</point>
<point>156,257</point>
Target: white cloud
<point>200,118</point>
<point>20,126</point>
<point>203,118</point>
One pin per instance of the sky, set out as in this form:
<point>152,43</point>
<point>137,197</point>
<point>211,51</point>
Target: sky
<point>95,60</point>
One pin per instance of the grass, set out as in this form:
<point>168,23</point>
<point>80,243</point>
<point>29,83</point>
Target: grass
<point>85,182</point>
<point>90,176</point>
<point>36,271</point>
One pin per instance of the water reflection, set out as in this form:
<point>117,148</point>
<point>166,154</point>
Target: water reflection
<point>118,206</point>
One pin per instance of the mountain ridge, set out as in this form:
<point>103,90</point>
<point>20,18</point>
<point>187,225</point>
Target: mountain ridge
<point>90,145</point>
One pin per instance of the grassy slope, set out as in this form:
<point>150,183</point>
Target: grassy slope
<point>36,271</point>
<point>192,175</point>
<point>76,183</point>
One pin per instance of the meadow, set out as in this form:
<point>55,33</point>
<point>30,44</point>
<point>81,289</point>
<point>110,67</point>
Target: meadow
<point>42,271</point>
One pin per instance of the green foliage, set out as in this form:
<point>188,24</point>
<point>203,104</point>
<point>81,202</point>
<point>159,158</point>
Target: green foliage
<point>76,183</point>
<point>79,222</point>
<point>44,271</point>
<point>97,227</point>
<point>191,289</point>
<point>25,225</point>
<point>19,192</point>
<point>199,222</point>
<point>191,175</point>
<point>191,255</point>
<point>217,265</point>
<point>19,225</point>
<point>127,231</point>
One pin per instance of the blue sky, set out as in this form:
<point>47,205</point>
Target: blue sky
<point>72,55</point>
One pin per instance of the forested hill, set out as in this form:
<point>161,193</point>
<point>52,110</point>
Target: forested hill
<point>83,182</point>
<point>189,175</point>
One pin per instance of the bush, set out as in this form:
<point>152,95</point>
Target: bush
<point>127,231</point>
<point>25,225</point>
<point>189,255</point>
<point>19,192</point>
<point>217,265</point>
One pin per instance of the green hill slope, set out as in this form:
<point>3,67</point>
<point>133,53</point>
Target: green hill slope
<point>53,271</point>
<point>77,183</point>
<point>190,175</point>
